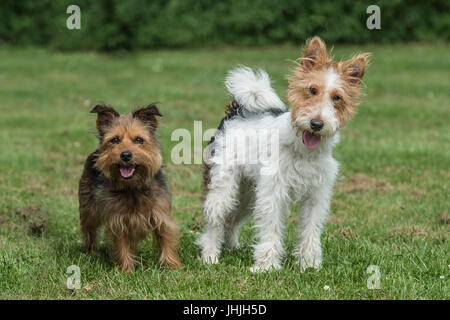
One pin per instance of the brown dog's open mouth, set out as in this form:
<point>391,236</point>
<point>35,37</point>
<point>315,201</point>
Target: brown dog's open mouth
<point>310,140</point>
<point>127,172</point>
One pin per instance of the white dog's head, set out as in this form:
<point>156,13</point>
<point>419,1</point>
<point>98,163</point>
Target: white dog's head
<point>323,93</point>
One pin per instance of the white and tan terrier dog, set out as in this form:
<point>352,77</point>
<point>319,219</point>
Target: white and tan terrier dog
<point>322,95</point>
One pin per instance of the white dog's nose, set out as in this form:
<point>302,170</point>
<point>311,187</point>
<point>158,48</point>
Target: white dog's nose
<point>316,125</point>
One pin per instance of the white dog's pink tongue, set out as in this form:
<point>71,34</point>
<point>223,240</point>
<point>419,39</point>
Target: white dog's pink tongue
<point>310,140</point>
<point>126,172</point>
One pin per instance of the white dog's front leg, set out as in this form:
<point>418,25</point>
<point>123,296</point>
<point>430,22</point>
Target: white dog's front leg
<point>313,213</point>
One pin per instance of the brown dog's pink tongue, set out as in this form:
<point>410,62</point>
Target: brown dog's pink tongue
<point>126,172</point>
<point>310,140</point>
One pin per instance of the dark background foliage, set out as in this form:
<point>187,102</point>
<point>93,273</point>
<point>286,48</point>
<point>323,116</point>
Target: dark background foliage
<point>134,24</point>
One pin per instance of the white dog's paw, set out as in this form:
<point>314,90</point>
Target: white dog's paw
<point>310,261</point>
<point>265,267</point>
<point>210,258</point>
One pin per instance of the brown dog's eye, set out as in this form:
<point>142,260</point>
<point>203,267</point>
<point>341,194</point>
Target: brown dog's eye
<point>336,98</point>
<point>115,140</point>
<point>313,91</point>
<point>139,140</point>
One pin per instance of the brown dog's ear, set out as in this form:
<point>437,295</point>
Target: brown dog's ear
<point>148,115</point>
<point>314,53</point>
<point>355,67</point>
<point>105,117</point>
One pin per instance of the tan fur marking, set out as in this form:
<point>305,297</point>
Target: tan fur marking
<point>311,73</point>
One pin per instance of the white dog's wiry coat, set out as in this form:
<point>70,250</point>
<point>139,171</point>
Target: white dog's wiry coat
<point>252,90</point>
<point>237,190</point>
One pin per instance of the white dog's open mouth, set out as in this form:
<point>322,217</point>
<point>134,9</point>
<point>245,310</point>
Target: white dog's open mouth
<point>310,140</point>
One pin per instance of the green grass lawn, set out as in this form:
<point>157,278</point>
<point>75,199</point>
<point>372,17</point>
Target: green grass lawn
<point>390,208</point>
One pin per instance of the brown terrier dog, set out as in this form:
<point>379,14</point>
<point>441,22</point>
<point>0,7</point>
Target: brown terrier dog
<point>123,187</point>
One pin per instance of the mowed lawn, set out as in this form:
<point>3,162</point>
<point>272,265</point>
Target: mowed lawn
<point>391,205</point>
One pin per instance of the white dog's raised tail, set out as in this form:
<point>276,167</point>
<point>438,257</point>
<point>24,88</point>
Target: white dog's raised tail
<point>252,90</point>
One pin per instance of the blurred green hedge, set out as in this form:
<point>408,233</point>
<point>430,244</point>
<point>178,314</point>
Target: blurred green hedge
<point>133,24</point>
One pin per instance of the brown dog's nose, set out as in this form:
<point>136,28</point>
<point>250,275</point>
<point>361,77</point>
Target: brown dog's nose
<point>316,125</point>
<point>126,156</point>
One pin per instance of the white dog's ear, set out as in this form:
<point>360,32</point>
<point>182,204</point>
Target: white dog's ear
<point>355,67</point>
<point>315,52</point>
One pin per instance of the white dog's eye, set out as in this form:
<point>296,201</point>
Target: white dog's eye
<point>336,98</point>
<point>313,91</point>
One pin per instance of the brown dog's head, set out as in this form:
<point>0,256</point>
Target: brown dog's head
<point>323,93</point>
<point>129,152</point>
